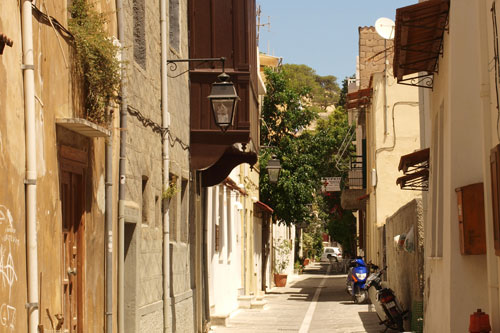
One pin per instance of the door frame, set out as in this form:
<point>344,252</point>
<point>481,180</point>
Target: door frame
<point>75,161</point>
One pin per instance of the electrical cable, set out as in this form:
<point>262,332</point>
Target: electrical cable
<point>50,20</point>
<point>156,128</point>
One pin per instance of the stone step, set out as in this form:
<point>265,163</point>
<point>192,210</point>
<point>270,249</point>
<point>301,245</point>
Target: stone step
<point>245,302</point>
<point>219,319</point>
<point>258,304</point>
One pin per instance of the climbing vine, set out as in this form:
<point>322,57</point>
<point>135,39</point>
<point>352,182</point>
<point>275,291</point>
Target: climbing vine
<point>96,60</point>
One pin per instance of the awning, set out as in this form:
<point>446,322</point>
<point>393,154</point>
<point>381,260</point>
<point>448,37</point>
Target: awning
<point>219,171</point>
<point>359,99</point>
<point>263,207</point>
<point>83,127</point>
<point>419,41</point>
<point>416,160</point>
<point>415,167</point>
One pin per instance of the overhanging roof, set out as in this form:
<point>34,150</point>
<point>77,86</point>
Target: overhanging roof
<point>417,180</point>
<point>359,99</point>
<point>263,207</point>
<point>419,41</point>
<point>417,159</point>
<point>83,127</point>
<point>415,167</point>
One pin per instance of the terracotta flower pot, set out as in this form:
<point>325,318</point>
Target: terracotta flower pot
<point>306,261</point>
<point>280,280</point>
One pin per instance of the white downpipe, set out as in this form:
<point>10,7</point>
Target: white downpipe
<point>166,162</point>
<point>31,176</point>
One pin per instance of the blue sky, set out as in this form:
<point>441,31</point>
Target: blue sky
<point>322,34</point>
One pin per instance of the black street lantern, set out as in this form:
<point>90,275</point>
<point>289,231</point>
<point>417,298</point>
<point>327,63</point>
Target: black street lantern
<point>223,100</point>
<point>273,169</point>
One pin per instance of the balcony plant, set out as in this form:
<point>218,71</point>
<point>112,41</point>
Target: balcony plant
<point>282,250</point>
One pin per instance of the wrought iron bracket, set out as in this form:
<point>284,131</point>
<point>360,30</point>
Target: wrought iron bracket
<point>172,64</point>
<point>4,40</point>
<point>423,81</point>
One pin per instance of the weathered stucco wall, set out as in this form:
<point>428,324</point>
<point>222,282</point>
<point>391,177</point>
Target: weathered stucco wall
<point>12,208</point>
<point>405,272</point>
<point>55,98</point>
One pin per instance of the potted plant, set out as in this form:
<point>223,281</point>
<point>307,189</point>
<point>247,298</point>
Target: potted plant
<point>282,251</point>
<point>298,268</point>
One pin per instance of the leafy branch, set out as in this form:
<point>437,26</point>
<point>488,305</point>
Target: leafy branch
<point>97,62</point>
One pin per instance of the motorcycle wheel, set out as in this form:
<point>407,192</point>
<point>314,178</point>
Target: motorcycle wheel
<point>360,297</point>
<point>399,324</point>
<point>395,324</point>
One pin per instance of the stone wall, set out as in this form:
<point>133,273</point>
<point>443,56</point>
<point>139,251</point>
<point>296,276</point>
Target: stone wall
<point>372,54</point>
<point>405,272</point>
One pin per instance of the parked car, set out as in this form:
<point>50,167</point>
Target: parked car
<point>331,252</point>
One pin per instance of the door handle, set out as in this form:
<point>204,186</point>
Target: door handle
<point>71,271</point>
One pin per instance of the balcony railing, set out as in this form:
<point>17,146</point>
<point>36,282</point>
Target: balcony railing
<point>357,173</point>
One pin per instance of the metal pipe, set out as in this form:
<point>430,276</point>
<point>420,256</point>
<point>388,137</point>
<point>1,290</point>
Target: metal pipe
<point>245,245</point>
<point>31,164</point>
<point>166,162</point>
<point>121,171</point>
<point>109,235</point>
<point>385,87</point>
<point>206,294</point>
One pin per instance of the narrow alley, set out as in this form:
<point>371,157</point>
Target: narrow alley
<point>315,301</point>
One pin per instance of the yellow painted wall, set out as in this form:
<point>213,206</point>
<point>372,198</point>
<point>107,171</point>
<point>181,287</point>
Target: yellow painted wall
<point>55,91</point>
<point>389,135</point>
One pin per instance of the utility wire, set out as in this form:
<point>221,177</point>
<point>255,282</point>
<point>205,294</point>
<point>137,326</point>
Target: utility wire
<point>50,20</point>
<point>156,128</point>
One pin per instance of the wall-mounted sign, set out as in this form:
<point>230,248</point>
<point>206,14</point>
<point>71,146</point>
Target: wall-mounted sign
<point>331,184</point>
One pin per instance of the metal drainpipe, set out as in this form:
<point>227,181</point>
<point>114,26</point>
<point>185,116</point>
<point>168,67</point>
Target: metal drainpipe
<point>166,162</point>
<point>121,188</point>
<point>206,286</point>
<point>245,245</point>
<point>109,234</point>
<point>385,87</point>
<point>31,165</point>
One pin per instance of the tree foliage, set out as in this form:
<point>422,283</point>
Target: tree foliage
<point>96,59</point>
<point>305,155</point>
<point>323,90</point>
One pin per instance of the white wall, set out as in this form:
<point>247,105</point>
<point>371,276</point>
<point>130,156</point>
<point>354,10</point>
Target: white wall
<point>281,231</point>
<point>454,282</point>
<point>224,263</point>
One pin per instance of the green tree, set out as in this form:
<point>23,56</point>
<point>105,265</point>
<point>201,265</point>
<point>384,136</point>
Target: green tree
<point>343,91</point>
<point>323,91</point>
<point>305,155</point>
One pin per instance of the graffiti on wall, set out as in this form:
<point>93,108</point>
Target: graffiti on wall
<point>9,244</point>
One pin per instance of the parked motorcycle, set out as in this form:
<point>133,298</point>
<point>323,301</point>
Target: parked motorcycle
<point>356,278</point>
<point>388,309</point>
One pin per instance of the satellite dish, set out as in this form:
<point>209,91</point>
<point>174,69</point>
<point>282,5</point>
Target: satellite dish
<point>385,27</point>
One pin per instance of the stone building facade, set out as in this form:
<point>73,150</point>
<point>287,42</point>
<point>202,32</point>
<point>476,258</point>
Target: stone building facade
<point>144,273</point>
<point>372,51</point>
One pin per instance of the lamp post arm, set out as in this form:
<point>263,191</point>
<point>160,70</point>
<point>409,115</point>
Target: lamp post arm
<point>173,63</point>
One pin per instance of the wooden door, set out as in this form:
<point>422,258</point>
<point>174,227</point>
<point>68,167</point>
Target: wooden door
<point>72,202</point>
